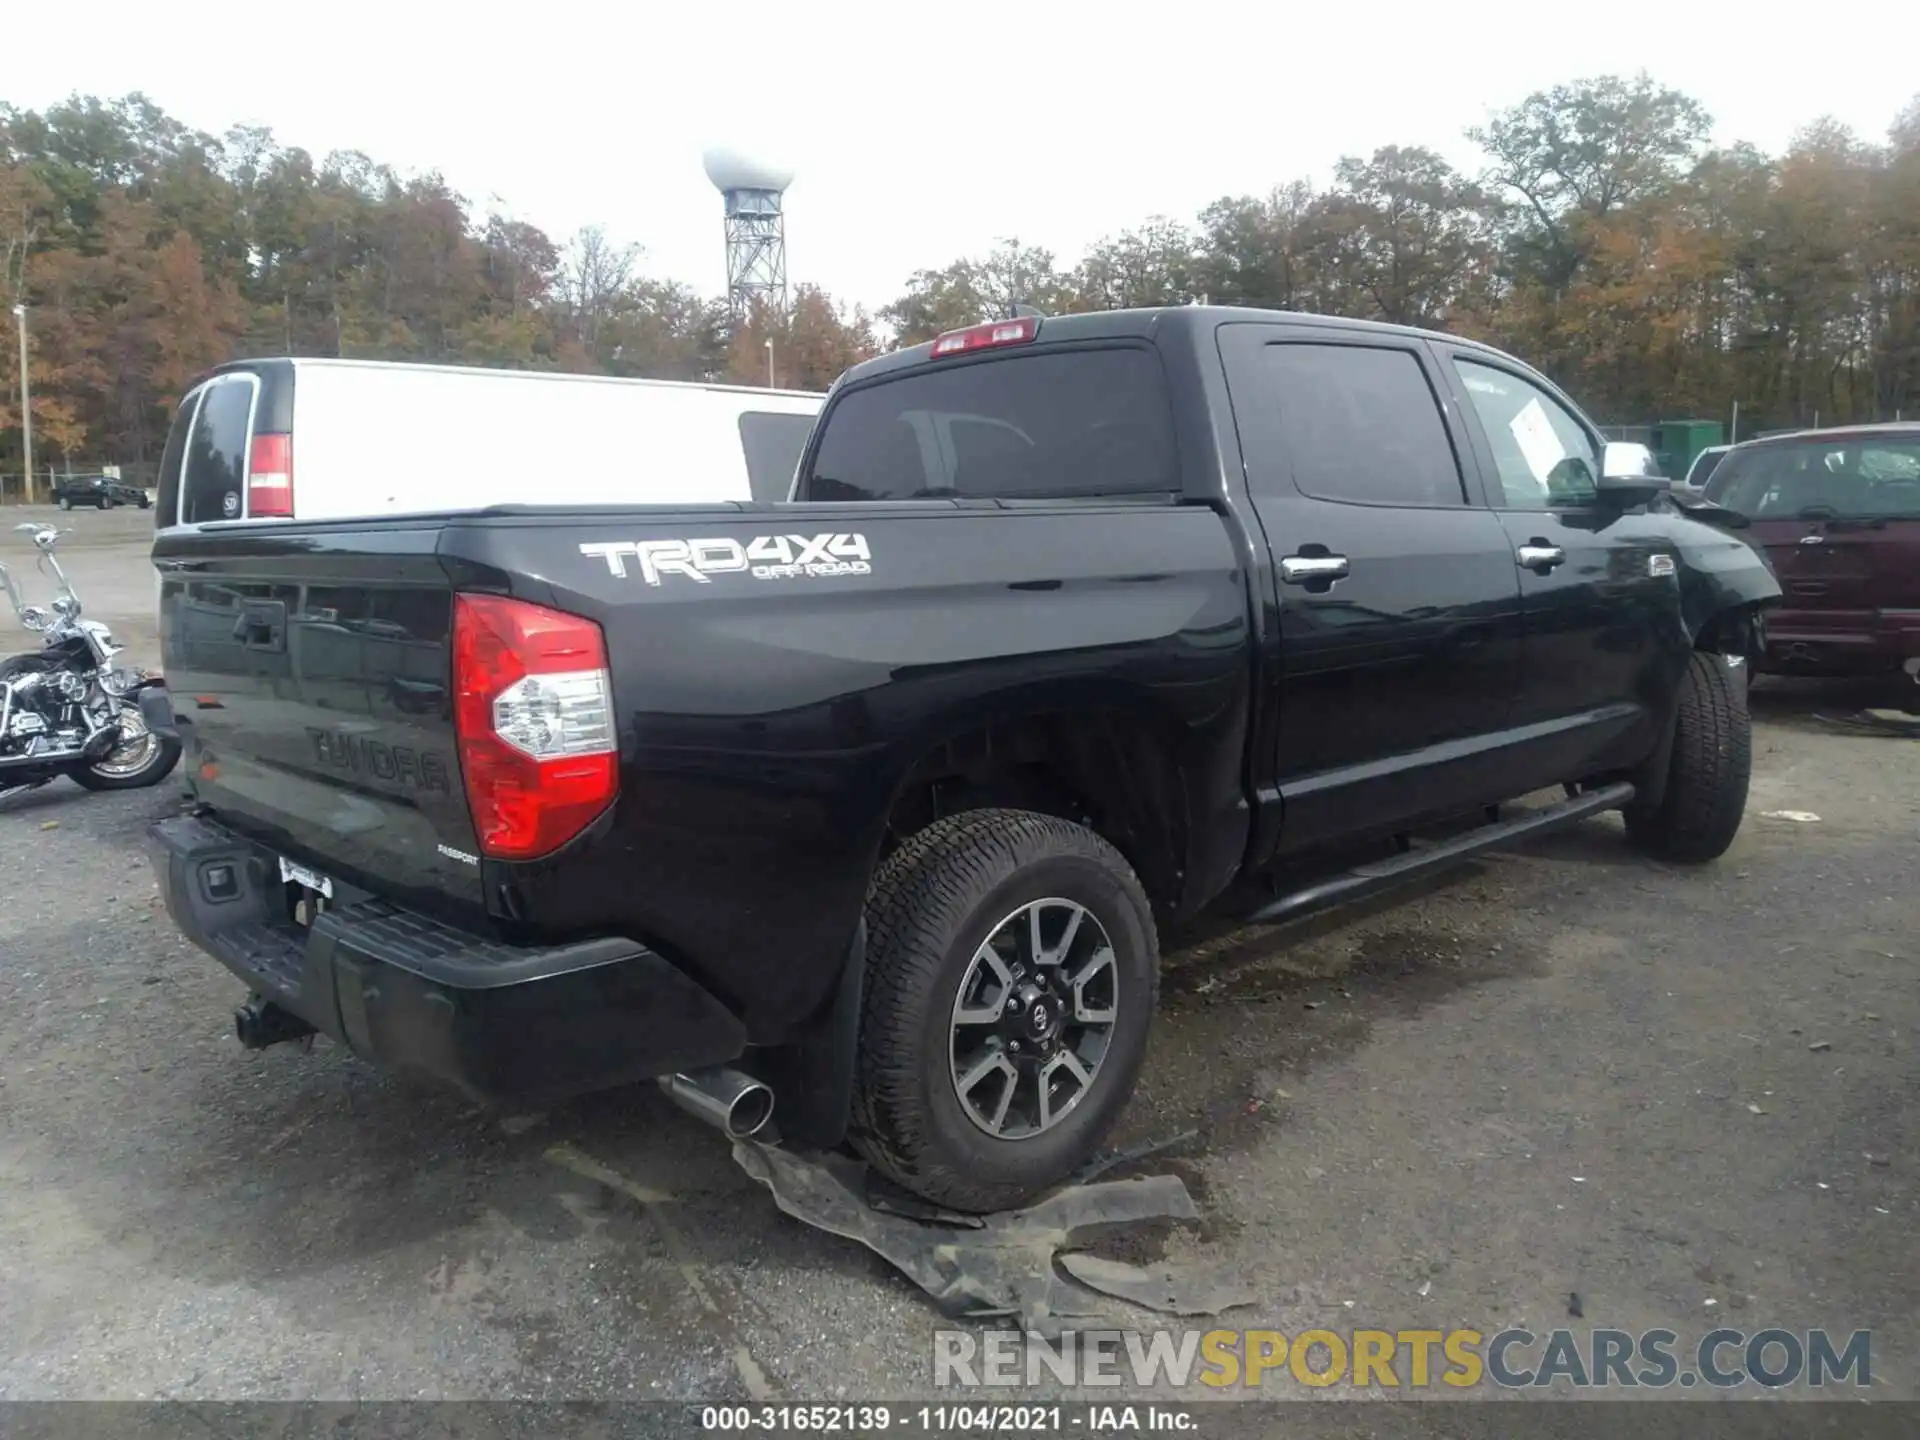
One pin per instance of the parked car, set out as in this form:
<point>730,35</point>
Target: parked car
<point>1838,511</point>
<point>103,492</point>
<point>877,801</point>
<point>310,439</point>
<point>1703,466</point>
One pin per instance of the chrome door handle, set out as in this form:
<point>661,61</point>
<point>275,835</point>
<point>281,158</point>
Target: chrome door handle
<point>1302,569</point>
<point>1539,557</point>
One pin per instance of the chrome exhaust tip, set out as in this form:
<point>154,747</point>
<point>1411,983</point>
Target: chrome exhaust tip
<point>728,1099</point>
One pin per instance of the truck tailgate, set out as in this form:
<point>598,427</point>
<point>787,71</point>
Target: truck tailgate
<point>312,684</point>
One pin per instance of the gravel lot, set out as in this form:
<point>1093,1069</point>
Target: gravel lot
<point>1686,1096</point>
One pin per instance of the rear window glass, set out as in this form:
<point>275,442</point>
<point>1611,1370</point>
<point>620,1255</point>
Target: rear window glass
<point>773,443</point>
<point>1037,426</point>
<point>1845,478</point>
<point>168,480</point>
<point>1704,465</point>
<point>216,453</point>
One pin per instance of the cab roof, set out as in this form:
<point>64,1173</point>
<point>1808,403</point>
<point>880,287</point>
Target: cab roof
<point>1881,430</point>
<point>1148,324</point>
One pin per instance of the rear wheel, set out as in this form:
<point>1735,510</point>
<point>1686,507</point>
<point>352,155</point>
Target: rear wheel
<point>65,503</point>
<point>1012,970</point>
<point>142,758</point>
<point>1707,775</point>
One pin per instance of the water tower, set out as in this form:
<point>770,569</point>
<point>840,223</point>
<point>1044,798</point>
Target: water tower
<point>756,228</point>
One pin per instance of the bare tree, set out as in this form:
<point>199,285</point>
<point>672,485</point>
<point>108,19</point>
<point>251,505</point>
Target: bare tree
<point>594,279</point>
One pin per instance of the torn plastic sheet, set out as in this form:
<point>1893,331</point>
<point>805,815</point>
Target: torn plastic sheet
<point>1000,1266</point>
<point>1899,723</point>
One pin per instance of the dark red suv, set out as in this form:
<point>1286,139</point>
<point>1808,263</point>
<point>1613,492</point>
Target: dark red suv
<point>1839,514</point>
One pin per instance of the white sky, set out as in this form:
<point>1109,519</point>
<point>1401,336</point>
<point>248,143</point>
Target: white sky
<point>920,133</point>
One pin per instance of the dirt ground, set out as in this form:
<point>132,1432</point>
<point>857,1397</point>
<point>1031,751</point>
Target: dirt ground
<point>1685,1096</point>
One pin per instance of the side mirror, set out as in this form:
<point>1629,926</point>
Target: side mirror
<point>1628,473</point>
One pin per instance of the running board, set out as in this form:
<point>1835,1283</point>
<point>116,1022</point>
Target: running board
<point>1365,880</point>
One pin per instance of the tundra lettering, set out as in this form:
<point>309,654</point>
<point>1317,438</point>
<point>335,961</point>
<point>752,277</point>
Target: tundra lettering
<point>362,756</point>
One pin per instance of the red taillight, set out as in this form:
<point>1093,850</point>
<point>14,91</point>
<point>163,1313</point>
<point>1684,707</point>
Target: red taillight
<point>270,478</point>
<point>533,707</point>
<point>985,337</point>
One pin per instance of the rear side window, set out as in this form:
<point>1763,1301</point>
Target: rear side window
<point>216,461</point>
<point>167,502</point>
<point>772,442</point>
<point>1361,424</point>
<point>1036,426</point>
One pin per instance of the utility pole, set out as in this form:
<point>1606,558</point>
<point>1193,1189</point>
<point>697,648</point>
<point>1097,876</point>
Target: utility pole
<point>26,405</point>
<point>770,384</point>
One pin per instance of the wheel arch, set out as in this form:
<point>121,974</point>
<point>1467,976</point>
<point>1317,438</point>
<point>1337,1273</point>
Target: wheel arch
<point>1120,766</point>
<point>1736,627</point>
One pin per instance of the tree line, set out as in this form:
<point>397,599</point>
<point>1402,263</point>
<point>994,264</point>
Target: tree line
<point>1601,238</point>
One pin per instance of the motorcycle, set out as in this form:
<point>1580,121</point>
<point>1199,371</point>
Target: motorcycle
<point>68,709</point>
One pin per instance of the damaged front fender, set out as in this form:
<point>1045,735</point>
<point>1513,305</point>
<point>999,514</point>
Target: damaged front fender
<point>1720,574</point>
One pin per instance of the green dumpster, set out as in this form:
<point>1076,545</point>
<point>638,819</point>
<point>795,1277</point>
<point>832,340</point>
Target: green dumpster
<point>1675,443</point>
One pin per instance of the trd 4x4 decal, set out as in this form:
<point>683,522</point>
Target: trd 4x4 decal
<point>765,557</point>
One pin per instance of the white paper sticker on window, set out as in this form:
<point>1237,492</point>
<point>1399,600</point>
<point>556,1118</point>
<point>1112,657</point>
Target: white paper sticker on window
<point>1533,432</point>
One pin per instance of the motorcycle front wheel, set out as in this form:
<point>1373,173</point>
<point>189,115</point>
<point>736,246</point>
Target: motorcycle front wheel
<point>142,758</point>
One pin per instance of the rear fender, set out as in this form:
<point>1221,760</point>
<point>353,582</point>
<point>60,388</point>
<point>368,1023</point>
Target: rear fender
<point>156,707</point>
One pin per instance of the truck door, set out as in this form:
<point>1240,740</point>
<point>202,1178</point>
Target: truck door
<point>1599,592</point>
<point>1396,591</point>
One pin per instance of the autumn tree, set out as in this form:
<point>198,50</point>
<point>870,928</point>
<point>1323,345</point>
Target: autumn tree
<point>120,332</point>
<point>1404,234</point>
<point>971,290</point>
<point>1572,155</point>
<point>813,341</point>
<point>1599,240</point>
<point>1157,264</point>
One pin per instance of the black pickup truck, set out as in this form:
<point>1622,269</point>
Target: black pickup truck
<point>877,800</point>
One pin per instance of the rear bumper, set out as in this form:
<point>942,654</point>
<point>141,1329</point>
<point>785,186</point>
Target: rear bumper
<point>1810,643</point>
<point>500,1023</point>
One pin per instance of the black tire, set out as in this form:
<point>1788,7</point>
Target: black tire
<point>934,903</point>
<point>109,503</point>
<point>166,755</point>
<point>1707,775</point>
<point>65,503</point>
<point>145,503</point>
